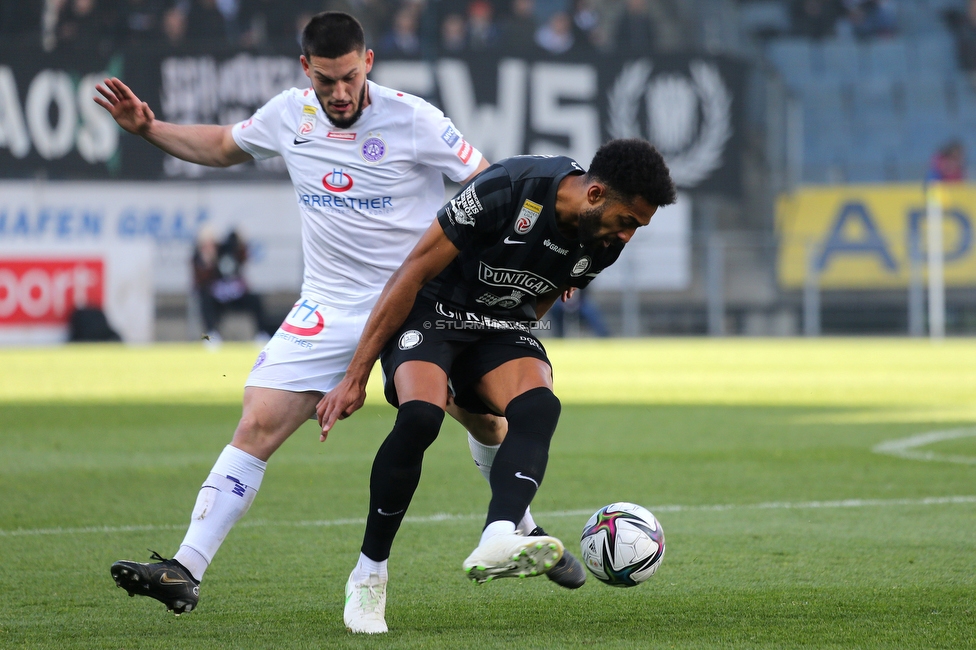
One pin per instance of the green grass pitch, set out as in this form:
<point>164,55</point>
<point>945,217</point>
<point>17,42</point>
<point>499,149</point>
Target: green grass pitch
<point>814,494</point>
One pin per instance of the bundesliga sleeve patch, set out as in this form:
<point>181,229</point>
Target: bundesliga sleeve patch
<point>527,216</point>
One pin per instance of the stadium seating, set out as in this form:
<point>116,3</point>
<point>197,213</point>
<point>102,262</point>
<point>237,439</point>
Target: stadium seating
<point>876,111</point>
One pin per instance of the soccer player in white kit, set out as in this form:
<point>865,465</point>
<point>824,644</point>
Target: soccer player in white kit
<point>367,163</point>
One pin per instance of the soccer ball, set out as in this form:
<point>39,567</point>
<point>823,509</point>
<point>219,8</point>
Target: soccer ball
<point>622,544</point>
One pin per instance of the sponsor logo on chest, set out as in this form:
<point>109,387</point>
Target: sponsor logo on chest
<point>514,278</point>
<point>556,249</point>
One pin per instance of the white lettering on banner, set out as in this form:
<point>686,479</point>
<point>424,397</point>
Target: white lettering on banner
<point>45,290</point>
<point>497,130</point>
<point>692,151</point>
<point>13,131</point>
<point>98,135</point>
<point>51,87</point>
<point>201,90</point>
<point>552,84</point>
<point>95,133</point>
<point>409,76</point>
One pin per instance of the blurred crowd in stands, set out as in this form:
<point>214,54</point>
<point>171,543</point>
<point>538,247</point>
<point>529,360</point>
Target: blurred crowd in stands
<point>401,28</point>
<point>861,19</point>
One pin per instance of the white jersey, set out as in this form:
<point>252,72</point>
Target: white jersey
<point>366,193</point>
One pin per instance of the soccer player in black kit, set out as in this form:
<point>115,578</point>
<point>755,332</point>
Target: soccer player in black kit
<point>460,308</point>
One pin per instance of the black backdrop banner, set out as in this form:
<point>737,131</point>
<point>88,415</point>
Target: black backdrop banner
<point>689,105</point>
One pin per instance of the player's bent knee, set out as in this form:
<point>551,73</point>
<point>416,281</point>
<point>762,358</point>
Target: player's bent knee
<point>419,421</point>
<point>535,412</point>
<point>259,436</point>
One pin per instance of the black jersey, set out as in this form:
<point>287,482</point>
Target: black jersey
<point>504,224</point>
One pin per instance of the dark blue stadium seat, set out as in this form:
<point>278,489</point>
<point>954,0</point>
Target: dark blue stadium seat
<point>932,54</point>
<point>791,58</point>
<point>837,59</point>
<point>886,58</point>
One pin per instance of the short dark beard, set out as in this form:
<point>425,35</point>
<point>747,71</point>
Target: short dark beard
<point>590,222</point>
<point>352,119</point>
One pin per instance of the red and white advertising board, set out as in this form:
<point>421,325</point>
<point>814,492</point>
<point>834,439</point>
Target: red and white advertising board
<point>41,285</point>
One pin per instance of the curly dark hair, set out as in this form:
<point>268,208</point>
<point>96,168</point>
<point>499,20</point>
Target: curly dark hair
<point>632,168</point>
<point>332,34</point>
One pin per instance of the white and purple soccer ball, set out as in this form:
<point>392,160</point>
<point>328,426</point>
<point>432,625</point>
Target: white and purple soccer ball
<point>622,544</point>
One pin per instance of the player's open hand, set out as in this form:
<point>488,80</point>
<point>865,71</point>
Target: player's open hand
<point>131,113</point>
<point>341,402</point>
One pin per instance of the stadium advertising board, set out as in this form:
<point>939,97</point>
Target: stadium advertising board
<point>863,236</point>
<point>690,106</point>
<point>42,284</point>
<point>165,217</point>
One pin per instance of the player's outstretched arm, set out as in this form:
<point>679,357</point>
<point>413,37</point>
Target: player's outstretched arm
<point>429,257</point>
<point>204,144</point>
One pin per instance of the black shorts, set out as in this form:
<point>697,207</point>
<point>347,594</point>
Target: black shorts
<point>465,345</point>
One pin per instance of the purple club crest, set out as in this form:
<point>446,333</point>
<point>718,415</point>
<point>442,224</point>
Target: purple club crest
<point>373,149</point>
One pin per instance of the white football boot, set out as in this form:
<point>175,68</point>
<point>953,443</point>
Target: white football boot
<point>365,611</point>
<point>510,555</point>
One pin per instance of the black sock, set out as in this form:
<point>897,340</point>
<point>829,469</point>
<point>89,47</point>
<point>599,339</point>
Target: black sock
<point>396,474</point>
<point>520,463</point>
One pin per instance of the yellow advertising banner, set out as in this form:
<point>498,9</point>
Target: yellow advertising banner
<point>867,236</point>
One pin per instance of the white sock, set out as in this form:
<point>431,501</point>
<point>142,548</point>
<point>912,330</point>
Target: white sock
<point>224,498</point>
<point>500,527</point>
<point>366,567</point>
<point>484,456</point>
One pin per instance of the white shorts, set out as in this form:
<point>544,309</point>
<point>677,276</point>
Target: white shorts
<point>311,350</point>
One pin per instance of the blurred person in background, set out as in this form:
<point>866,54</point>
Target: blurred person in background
<point>963,27</point>
<point>174,27</point>
<point>586,24</point>
<point>454,34</point>
<point>948,164</point>
<point>138,22</point>
<point>635,34</point>
<point>403,38</point>
<point>580,307</point>
<point>265,22</point>
<point>556,35</point>
<point>205,22</point>
<point>517,31</point>
<point>867,19</point>
<point>219,285</point>
<point>374,15</point>
<point>85,24</point>
<point>482,31</point>
<point>816,19</point>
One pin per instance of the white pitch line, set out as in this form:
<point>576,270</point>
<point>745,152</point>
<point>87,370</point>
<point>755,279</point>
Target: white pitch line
<point>905,447</point>
<point>430,519</point>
